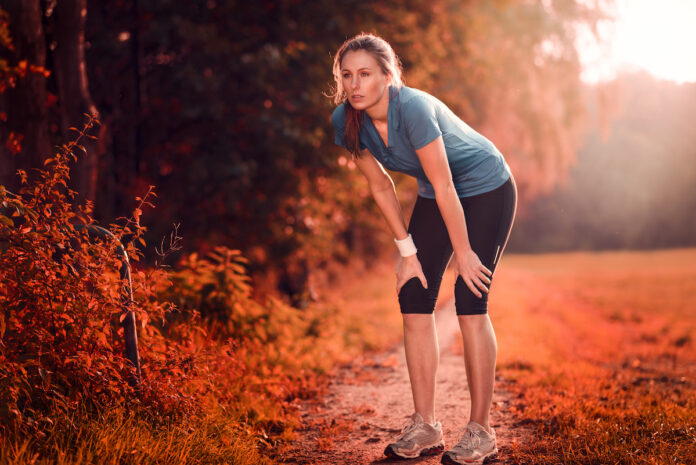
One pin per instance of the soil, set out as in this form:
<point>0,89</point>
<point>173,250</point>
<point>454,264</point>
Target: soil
<point>369,400</point>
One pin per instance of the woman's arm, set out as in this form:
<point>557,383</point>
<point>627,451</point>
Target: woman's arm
<point>382,188</point>
<point>433,158</point>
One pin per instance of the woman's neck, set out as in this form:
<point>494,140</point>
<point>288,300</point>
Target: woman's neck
<point>380,110</point>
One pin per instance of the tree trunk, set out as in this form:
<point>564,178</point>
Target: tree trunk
<point>25,104</point>
<point>73,93</point>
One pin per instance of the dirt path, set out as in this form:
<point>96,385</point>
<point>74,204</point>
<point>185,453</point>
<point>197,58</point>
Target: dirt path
<point>578,332</point>
<point>368,402</point>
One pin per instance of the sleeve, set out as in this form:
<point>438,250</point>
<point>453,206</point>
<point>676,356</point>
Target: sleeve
<point>420,120</point>
<point>338,119</point>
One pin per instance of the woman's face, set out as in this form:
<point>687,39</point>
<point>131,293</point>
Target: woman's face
<point>363,79</point>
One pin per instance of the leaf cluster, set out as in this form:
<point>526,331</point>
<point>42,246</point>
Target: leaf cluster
<point>63,298</point>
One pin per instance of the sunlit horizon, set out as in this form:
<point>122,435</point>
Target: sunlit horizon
<point>657,37</point>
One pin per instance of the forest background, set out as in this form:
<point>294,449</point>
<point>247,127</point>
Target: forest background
<point>222,106</point>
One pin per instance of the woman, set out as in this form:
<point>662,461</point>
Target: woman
<point>466,206</point>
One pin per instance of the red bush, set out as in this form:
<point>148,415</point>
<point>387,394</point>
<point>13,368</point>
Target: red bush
<point>61,341</point>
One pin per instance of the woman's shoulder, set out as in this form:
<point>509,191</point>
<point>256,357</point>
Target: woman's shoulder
<point>416,101</point>
<point>407,94</point>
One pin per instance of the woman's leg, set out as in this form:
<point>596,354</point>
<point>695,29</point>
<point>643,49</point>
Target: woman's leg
<point>422,359</point>
<point>489,219</point>
<point>417,304</point>
<point>480,352</point>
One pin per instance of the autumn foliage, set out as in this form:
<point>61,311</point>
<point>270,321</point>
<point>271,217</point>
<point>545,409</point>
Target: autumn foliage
<point>212,356</point>
<point>61,302</point>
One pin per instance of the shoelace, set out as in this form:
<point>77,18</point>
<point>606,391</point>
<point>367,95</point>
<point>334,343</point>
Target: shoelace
<point>407,428</point>
<point>469,440</point>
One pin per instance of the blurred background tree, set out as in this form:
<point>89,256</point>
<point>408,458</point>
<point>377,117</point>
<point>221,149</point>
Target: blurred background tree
<point>221,105</point>
<point>51,95</point>
<point>23,95</point>
<point>633,188</point>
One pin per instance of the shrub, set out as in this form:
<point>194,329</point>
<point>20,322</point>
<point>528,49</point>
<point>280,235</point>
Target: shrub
<point>61,344</point>
<point>219,367</point>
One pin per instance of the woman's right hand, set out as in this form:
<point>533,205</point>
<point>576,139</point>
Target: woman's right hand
<point>407,268</point>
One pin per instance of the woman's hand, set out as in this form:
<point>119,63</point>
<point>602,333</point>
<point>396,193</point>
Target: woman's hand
<point>473,272</point>
<point>407,268</point>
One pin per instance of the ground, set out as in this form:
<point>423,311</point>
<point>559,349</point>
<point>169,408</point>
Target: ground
<point>596,364</point>
<point>369,400</point>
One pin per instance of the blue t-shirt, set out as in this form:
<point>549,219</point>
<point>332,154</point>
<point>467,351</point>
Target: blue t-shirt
<point>416,118</point>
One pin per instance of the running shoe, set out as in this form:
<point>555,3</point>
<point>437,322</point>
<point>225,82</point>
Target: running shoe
<point>476,446</point>
<point>417,438</point>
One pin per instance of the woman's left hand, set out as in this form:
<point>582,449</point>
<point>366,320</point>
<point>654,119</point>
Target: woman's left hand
<point>473,272</point>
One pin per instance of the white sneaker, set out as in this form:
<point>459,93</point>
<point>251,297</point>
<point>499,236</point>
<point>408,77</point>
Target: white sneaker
<point>476,446</point>
<point>417,438</point>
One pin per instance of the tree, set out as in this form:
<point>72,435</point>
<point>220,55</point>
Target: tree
<point>220,104</point>
<point>24,134</point>
<point>235,125</point>
<point>73,91</point>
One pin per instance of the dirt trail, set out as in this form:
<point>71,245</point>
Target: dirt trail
<point>368,402</point>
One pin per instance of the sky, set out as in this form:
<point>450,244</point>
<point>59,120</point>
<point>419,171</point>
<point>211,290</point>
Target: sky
<point>658,36</point>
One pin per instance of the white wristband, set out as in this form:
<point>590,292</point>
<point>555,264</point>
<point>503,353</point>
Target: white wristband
<point>406,246</point>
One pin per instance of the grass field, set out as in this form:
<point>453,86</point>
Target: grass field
<point>600,347</point>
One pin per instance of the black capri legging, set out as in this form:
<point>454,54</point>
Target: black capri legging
<point>489,217</point>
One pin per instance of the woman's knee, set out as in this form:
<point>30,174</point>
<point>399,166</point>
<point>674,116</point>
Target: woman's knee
<point>474,321</point>
<point>418,322</point>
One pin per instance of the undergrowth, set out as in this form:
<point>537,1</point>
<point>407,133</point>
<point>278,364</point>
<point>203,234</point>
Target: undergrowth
<point>220,370</point>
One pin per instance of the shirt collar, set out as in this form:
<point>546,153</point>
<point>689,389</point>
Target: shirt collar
<point>393,110</point>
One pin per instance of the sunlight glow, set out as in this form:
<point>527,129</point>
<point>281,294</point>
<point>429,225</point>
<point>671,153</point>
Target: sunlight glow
<point>657,36</point>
